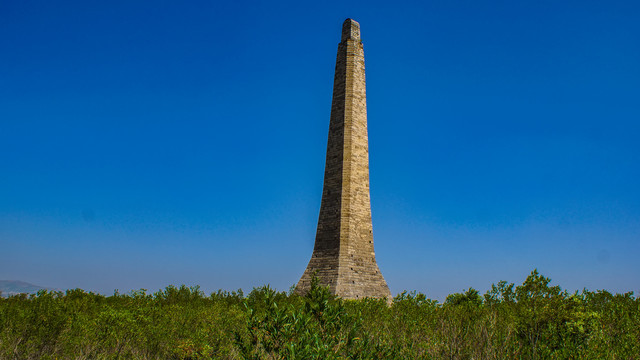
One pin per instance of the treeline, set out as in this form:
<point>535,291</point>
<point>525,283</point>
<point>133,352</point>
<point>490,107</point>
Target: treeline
<point>528,321</point>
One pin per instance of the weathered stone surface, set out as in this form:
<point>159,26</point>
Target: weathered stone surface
<point>343,256</point>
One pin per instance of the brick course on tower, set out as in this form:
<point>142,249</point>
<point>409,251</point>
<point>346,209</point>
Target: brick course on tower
<point>343,256</point>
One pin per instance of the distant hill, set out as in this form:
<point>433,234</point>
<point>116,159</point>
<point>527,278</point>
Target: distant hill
<point>13,287</point>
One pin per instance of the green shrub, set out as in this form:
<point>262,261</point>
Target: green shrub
<point>530,321</point>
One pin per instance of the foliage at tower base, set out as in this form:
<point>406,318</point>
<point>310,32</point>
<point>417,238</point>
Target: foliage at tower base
<point>529,321</point>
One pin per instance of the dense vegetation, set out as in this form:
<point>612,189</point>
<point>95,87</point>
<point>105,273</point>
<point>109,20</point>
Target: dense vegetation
<point>529,321</point>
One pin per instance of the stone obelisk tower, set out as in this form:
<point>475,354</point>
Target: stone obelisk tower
<point>343,256</point>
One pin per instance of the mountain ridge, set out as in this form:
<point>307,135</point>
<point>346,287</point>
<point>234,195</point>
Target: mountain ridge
<point>15,287</point>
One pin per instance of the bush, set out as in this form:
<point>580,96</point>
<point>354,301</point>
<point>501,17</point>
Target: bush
<point>531,321</point>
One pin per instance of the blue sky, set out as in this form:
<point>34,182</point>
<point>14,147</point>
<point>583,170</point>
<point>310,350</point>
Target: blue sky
<point>152,143</point>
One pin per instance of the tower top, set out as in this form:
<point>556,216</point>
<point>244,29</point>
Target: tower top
<point>350,30</point>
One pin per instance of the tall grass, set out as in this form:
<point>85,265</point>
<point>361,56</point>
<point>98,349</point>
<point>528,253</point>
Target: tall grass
<point>529,321</point>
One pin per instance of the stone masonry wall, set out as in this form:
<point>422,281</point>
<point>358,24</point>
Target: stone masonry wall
<point>343,257</point>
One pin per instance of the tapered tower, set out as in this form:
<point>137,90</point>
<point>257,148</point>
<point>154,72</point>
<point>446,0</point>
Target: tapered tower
<point>343,256</point>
